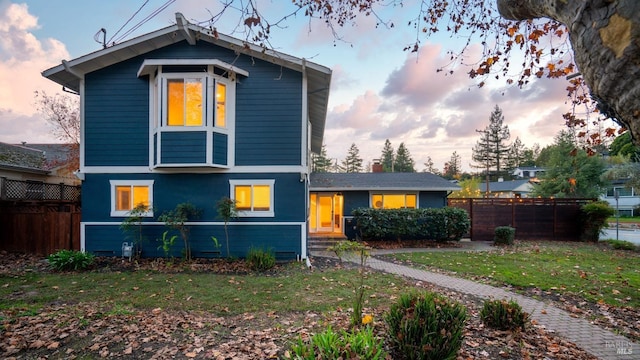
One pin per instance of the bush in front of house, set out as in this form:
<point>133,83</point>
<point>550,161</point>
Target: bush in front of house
<point>426,326</point>
<point>441,224</point>
<point>503,315</point>
<point>593,218</point>
<point>70,260</point>
<point>260,260</point>
<point>504,235</point>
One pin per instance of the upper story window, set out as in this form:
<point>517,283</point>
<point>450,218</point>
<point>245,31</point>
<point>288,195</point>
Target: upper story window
<point>192,112</point>
<point>622,192</point>
<point>393,201</point>
<point>185,102</point>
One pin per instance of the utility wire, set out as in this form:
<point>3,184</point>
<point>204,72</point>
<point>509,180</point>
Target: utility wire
<point>145,20</point>
<point>125,24</point>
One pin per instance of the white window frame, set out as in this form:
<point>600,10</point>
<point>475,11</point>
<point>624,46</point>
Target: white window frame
<point>250,213</point>
<point>383,193</point>
<point>125,213</point>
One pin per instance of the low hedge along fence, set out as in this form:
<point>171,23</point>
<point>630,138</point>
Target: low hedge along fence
<point>441,224</point>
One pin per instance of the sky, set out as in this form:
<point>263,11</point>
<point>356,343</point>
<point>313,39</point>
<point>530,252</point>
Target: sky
<point>378,90</point>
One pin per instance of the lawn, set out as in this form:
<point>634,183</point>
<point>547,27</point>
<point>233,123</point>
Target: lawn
<point>593,272</point>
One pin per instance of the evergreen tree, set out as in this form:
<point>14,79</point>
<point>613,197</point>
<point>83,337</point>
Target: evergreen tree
<point>320,163</point>
<point>387,157</point>
<point>623,145</point>
<point>571,172</point>
<point>491,151</point>
<point>516,155</point>
<point>452,168</point>
<point>429,166</point>
<point>353,162</point>
<point>403,161</point>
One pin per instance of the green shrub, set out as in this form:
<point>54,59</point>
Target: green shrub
<point>260,260</point>
<point>593,218</point>
<point>503,315</point>
<point>504,235</point>
<point>66,260</point>
<point>426,326</point>
<point>622,245</point>
<point>329,345</point>
<point>442,224</point>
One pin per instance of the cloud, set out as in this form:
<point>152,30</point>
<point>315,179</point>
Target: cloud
<point>23,58</point>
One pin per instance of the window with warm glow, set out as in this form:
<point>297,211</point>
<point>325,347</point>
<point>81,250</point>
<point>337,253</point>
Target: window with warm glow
<point>127,195</point>
<point>394,201</point>
<point>221,105</point>
<point>253,197</point>
<point>185,106</point>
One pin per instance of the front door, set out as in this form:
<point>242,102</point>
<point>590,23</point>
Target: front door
<point>325,213</point>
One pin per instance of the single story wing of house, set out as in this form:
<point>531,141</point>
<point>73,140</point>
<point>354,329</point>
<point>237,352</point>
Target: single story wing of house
<point>333,196</point>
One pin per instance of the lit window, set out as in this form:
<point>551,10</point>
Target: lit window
<point>253,197</point>
<point>185,102</point>
<point>127,195</point>
<point>221,105</point>
<point>394,201</point>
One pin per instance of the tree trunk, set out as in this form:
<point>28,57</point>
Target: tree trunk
<point>605,36</point>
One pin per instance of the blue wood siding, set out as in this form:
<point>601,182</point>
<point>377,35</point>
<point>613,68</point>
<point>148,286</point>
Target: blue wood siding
<point>116,128</point>
<point>283,240</point>
<point>220,148</point>
<point>202,190</point>
<point>432,199</point>
<point>354,200</point>
<point>184,147</point>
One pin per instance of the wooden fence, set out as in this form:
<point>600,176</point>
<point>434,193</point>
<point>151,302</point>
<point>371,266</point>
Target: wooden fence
<point>533,219</point>
<point>39,218</point>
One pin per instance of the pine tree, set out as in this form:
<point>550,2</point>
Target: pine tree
<point>429,166</point>
<point>516,155</point>
<point>491,151</point>
<point>452,168</point>
<point>388,157</point>
<point>353,162</point>
<point>403,161</point>
<point>320,163</point>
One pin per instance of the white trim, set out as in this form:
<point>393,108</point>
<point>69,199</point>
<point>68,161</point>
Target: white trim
<point>83,234</point>
<point>82,127</point>
<point>386,192</point>
<point>191,169</point>
<point>121,213</point>
<point>304,136</point>
<point>149,65</point>
<point>252,182</point>
<point>199,223</point>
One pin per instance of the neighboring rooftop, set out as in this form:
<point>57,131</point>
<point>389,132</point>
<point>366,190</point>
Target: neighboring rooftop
<point>379,181</point>
<point>21,157</point>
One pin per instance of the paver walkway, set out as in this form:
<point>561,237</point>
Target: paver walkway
<point>592,338</point>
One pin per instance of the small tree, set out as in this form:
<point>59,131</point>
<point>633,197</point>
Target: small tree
<point>133,225</point>
<point>403,161</point>
<point>388,156</point>
<point>353,162</point>
<point>177,219</point>
<point>227,210</point>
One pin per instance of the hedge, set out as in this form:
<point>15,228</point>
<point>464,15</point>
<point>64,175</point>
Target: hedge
<point>441,224</point>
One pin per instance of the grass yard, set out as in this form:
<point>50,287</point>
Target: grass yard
<point>590,271</point>
<point>214,293</point>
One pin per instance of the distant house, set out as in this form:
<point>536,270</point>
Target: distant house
<point>628,202</point>
<point>333,196</point>
<point>527,172</point>
<point>509,188</point>
<point>26,172</point>
<point>185,114</point>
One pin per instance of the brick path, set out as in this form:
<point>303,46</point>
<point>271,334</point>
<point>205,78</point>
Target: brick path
<point>592,338</point>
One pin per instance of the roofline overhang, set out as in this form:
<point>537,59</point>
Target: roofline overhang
<point>312,188</point>
<point>22,169</point>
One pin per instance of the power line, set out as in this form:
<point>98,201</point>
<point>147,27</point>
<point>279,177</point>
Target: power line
<point>125,24</point>
<point>145,20</point>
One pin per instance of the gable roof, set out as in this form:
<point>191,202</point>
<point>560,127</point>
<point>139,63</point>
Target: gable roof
<point>379,181</point>
<point>69,73</point>
<point>509,185</point>
<point>21,158</point>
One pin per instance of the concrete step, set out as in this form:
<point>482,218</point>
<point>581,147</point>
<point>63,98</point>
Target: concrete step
<point>321,244</point>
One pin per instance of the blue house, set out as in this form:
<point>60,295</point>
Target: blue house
<point>333,197</point>
<point>185,114</point>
